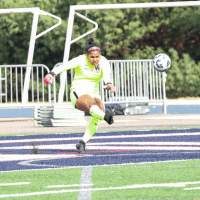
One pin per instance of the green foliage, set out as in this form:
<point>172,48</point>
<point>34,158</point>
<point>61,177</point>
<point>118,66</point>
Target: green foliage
<point>16,29</point>
<point>183,77</point>
<point>122,34</point>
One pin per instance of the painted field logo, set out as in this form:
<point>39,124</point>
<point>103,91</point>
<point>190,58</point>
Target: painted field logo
<point>104,149</point>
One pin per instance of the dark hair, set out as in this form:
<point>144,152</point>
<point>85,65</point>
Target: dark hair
<point>90,42</point>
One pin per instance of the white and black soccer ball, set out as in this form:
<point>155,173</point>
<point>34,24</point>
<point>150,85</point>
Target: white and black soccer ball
<point>161,62</point>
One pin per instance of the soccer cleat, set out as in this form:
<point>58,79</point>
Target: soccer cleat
<point>81,146</point>
<point>109,116</point>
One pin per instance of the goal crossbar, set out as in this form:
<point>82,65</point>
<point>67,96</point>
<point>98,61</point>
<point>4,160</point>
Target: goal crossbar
<point>136,5</point>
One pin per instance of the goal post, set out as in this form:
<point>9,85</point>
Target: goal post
<point>75,8</point>
<point>36,12</point>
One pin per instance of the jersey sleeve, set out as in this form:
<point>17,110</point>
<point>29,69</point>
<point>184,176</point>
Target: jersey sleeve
<point>73,63</point>
<point>106,71</point>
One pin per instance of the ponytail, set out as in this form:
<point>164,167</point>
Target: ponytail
<point>90,45</point>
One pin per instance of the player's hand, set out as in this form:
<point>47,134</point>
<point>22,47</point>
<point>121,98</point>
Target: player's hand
<point>111,87</point>
<point>48,79</point>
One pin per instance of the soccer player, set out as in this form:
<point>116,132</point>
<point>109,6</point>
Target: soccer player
<point>84,92</point>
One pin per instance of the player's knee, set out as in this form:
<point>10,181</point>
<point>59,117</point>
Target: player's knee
<point>96,112</point>
<point>84,103</point>
<point>99,103</point>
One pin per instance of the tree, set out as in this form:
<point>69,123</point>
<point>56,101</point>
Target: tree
<point>16,29</point>
<point>122,34</point>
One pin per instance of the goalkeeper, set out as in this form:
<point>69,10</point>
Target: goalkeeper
<point>84,92</point>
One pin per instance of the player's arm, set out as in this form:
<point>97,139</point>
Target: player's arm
<point>106,76</point>
<point>48,79</point>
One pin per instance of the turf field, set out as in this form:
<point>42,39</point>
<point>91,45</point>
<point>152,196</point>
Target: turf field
<point>154,164</point>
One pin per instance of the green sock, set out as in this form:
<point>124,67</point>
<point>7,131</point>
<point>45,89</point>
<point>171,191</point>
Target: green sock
<point>96,112</point>
<point>91,129</point>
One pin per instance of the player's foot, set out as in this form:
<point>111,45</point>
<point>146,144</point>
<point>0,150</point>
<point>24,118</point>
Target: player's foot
<point>81,146</point>
<point>109,116</point>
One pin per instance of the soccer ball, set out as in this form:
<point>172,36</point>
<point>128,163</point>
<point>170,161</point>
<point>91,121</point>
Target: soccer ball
<point>161,62</point>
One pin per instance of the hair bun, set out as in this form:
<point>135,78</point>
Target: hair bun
<point>90,40</point>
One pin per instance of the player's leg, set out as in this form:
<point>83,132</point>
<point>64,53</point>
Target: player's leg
<point>87,103</point>
<point>95,107</point>
<point>90,131</point>
<point>109,115</point>
<point>93,124</point>
<point>99,103</point>
<point>91,128</point>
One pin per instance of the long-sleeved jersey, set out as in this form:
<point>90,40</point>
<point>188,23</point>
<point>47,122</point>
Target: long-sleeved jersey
<point>87,77</point>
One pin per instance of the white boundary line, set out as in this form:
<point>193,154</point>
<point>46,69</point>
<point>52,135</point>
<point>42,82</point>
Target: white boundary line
<point>116,144</point>
<point>37,157</point>
<point>11,184</point>
<point>197,188</point>
<point>89,147</point>
<point>61,186</point>
<point>100,137</point>
<point>86,183</point>
<point>179,184</point>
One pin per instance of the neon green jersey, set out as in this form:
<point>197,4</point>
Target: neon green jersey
<point>87,77</point>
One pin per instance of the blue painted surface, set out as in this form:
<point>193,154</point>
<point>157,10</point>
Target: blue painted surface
<point>171,109</point>
<point>100,156</point>
<point>176,109</point>
<point>12,113</point>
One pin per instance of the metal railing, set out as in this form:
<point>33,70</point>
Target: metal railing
<point>12,84</point>
<point>135,81</point>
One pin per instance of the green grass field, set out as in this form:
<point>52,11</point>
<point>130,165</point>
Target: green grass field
<point>163,180</point>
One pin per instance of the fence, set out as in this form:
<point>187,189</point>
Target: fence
<point>12,83</point>
<point>135,81</point>
<point>67,85</point>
